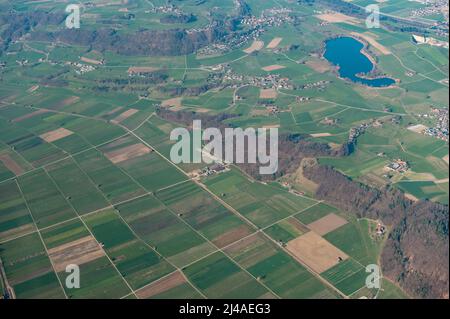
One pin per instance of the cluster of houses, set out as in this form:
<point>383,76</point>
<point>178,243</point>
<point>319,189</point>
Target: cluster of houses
<point>441,126</point>
<point>398,165</point>
<point>329,121</point>
<point>269,18</point>
<point>213,169</point>
<point>430,8</point>
<point>22,62</point>
<point>301,99</point>
<point>437,132</point>
<point>213,49</point>
<point>274,81</point>
<point>236,41</point>
<point>273,109</point>
<point>166,9</point>
<point>257,26</point>
<point>81,68</point>
<point>316,85</point>
<point>355,132</point>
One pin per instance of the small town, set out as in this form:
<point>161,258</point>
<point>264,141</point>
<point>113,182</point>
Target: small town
<point>234,80</point>
<point>81,68</point>
<point>439,118</point>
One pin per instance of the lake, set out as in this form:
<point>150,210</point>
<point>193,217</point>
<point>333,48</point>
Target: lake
<point>345,52</point>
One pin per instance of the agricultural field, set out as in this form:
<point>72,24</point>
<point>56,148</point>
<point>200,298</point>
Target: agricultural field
<point>86,170</point>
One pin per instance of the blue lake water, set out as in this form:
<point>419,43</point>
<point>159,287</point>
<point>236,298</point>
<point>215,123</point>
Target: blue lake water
<point>345,52</point>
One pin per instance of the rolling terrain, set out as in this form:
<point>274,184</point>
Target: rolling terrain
<point>85,170</point>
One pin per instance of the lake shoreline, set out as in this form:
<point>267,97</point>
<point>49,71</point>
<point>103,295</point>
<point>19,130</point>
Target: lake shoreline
<point>357,77</point>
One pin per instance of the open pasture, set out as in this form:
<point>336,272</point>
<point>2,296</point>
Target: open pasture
<point>262,204</point>
<point>29,146</point>
<point>172,286</point>
<point>274,43</point>
<point>218,277</point>
<point>55,135</point>
<point>255,46</point>
<point>15,219</point>
<point>286,230</point>
<point>152,171</point>
<point>8,165</point>
<point>71,242</point>
<point>46,203</point>
<point>314,213</point>
<point>76,187</point>
<point>137,262</point>
<point>276,269</point>
<point>315,251</point>
<point>145,166</point>
<point>162,230</point>
<point>356,239</point>
<point>112,181</point>
<point>78,252</point>
<point>28,268</point>
<point>127,153</point>
<point>156,132</point>
<point>204,213</point>
<point>348,276</point>
<point>327,224</point>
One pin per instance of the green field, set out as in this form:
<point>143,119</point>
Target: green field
<point>138,263</point>
<point>262,204</point>
<point>85,169</point>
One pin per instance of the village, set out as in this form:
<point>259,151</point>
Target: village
<point>431,8</point>
<point>81,68</point>
<point>234,80</point>
<point>270,17</point>
<point>166,9</point>
<point>256,27</point>
<point>439,119</point>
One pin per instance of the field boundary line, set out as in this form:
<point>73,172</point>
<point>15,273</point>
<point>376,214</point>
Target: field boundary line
<point>42,240</point>
<point>76,153</point>
<point>125,222</point>
<point>125,201</point>
<point>90,232</point>
<point>61,159</point>
<point>176,215</point>
<point>226,205</point>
